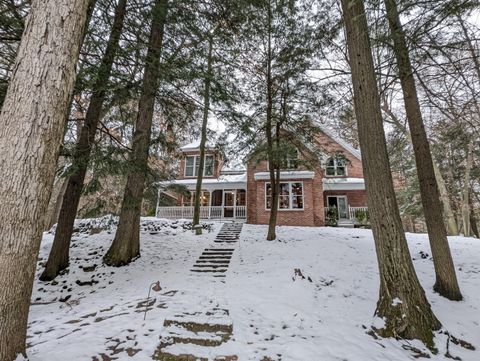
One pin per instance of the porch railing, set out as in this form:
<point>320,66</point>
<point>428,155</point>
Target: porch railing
<point>206,212</point>
<point>352,212</point>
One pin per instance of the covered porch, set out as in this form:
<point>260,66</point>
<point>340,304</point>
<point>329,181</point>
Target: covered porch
<point>224,198</point>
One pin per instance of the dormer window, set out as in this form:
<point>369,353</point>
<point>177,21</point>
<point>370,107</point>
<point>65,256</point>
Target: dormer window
<point>336,167</point>
<point>192,163</point>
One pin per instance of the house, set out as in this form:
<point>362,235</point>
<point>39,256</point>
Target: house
<point>305,193</point>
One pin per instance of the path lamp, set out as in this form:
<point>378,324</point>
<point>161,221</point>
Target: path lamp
<point>153,286</point>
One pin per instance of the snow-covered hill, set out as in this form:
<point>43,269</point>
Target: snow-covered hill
<point>310,295</point>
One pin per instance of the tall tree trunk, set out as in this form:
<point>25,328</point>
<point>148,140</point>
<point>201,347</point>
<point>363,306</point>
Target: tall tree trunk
<point>444,197</point>
<point>446,283</point>
<point>59,254</point>
<point>203,140</point>
<point>126,244</point>
<point>31,129</point>
<point>473,219</point>
<point>466,192</point>
<point>271,154</point>
<point>402,302</point>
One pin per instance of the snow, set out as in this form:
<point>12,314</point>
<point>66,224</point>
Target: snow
<point>195,145</point>
<point>310,295</point>
<point>239,180</point>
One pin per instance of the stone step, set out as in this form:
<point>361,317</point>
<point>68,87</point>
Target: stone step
<point>215,257</point>
<point>179,334</point>
<point>213,260</point>
<point>211,265</point>
<point>209,270</point>
<point>214,323</point>
<point>219,252</point>
<point>181,352</point>
<point>220,249</point>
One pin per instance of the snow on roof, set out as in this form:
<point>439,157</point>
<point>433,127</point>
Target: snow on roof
<point>223,179</point>
<point>195,145</point>
<point>340,141</point>
<point>332,184</point>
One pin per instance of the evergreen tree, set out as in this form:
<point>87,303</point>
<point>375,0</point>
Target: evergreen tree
<point>31,128</point>
<point>410,317</point>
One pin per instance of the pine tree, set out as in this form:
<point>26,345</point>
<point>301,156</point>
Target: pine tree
<point>31,128</point>
<point>446,280</point>
<point>402,302</point>
<point>59,255</point>
<point>126,244</point>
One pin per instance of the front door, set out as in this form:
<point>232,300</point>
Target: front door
<point>339,202</point>
<point>228,204</point>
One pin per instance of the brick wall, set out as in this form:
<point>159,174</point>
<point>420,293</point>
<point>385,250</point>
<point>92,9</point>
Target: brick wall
<point>219,161</point>
<point>313,213</point>
<point>355,198</point>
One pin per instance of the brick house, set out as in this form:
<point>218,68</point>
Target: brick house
<point>244,194</point>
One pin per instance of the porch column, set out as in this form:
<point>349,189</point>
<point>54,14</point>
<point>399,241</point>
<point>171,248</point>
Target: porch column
<point>209,203</point>
<point>235,204</point>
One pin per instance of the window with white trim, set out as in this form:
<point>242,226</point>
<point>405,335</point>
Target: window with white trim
<point>290,196</point>
<point>336,167</point>
<point>290,161</point>
<point>192,163</point>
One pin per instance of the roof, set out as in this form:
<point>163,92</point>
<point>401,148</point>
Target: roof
<point>331,184</point>
<point>355,152</point>
<point>195,145</point>
<point>222,182</point>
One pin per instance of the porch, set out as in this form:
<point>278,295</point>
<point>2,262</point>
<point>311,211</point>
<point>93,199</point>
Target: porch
<point>206,212</point>
<point>346,215</point>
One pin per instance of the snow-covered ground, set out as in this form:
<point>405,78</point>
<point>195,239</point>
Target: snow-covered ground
<point>310,295</point>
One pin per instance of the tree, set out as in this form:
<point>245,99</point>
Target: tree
<point>126,244</point>
<point>31,129</point>
<point>402,302</point>
<point>59,255</point>
<point>278,48</point>
<point>446,282</point>
<point>203,139</point>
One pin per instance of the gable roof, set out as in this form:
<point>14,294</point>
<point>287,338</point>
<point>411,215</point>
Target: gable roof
<point>355,152</point>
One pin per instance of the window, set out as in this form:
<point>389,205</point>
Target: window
<point>290,196</point>
<point>289,161</point>
<point>189,200</point>
<point>192,162</point>
<point>335,167</point>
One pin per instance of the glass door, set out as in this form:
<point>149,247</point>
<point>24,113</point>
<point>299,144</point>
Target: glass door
<point>228,204</point>
<point>339,202</point>
<point>342,207</point>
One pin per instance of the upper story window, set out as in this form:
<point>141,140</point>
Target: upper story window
<point>336,167</point>
<point>290,196</point>
<point>192,163</point>
<point>289,161</point>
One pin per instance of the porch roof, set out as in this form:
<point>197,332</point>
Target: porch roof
<point>343,184</point>
<point>227,181</point>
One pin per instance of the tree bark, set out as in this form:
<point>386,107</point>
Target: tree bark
<point>447,208</point>
<point>466,192</point>
<point>446,283</point>
<point>31,129</point>
<point>58,258</point>
<point>402,302</point>
<point>203,140</point>
<point>126,244</point>
<point>473,219</point>
<point>272,158</point>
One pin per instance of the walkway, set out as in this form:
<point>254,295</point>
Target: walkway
<point>202,333</point>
